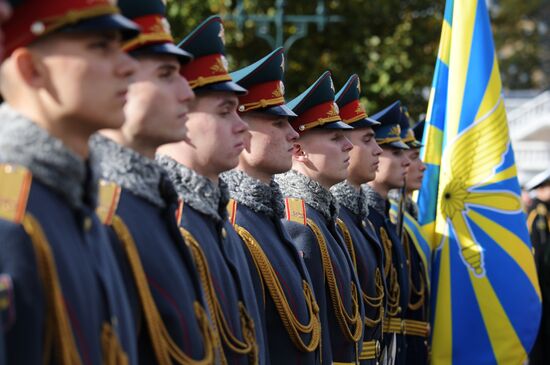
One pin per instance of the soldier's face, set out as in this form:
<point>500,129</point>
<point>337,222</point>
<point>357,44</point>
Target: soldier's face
<point>327,155</point>
<point>158,102</point>
<point>86,79</point>
<point>364,157</point>
<point>271,143</point>
<point>393,168</point>
<point>216,133</point>
<point>415,171</point>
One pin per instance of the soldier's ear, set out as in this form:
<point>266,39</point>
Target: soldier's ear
<point>30,67</point>
<point>299,154</point>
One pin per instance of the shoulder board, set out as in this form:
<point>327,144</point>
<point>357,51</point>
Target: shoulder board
<point>296,210</point>
<point>109,195</point>
<point>232,211</point>
<point>541,209</point>
<point>179,211</point>
<point>15,185</point>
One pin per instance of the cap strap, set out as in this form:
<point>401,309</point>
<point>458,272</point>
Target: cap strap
<point>388,140</point>
<point>318,122</point>
<point>207,80</point>
<point>262,103</point>
<point>48,25</point>
<point>144,39</point>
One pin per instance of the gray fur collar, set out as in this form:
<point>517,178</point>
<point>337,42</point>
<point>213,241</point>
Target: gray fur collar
<point>350,198</point>
<point>254,194</point>
<point>296,185</point>
<point>129,169</point>
<point>24,143</point>
<point>374,200</point>
<point>410,206</point>
<point>196,190</point>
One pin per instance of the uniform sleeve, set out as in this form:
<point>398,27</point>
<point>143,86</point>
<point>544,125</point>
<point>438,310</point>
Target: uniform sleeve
<point>23,316</point>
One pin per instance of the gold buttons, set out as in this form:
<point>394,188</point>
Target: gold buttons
<point>87,224</point>
<point>364,224</point>
<point>224,233</point>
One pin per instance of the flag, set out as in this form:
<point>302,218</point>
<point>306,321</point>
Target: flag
<point>486,301</point>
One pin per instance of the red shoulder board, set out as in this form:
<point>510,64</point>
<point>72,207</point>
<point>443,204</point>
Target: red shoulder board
<point>296,210</point>
<point>232,211</point>
<point>109,195</point>
<point>15,185</point>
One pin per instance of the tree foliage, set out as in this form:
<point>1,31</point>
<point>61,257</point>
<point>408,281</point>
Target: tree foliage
<point>390,44</point>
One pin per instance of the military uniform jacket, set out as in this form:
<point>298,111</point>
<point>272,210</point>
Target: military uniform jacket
<point>311,222</point>
<point>143,204</point>
<point>367,256</point>
<point>417,317</point>
<point>217,248</point>
<point>538,222</point>
<point>56,254</point>
<point>256,211</point>
<point>395,266</point>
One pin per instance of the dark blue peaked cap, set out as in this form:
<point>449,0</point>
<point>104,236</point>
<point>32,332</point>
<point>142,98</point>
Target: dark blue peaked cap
<point>34,19</point>
<point>264,81</point>
<point>315,107</point>
<point>418,130</point>
<point>209,69</point>
<point>155,37</point>
<point>407,134</point>
<point>389,131</point>
<point>351,110</point>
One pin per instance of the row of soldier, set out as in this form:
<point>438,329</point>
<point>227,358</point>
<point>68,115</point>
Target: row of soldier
<point>230,227</point>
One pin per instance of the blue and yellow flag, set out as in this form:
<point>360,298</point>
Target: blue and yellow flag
<point>486,301</point>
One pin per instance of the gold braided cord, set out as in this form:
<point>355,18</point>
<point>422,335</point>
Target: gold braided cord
<point>348,240</point>
<point>59,335</point>
<point>394,290</point>
<point>269,277</point>
<point>345,321</point>
<point>531,219</point>
<point>387,244</point>
<point>421,293</point>
<point>113,354</point>
<point>248,345</point>
<point>166,350</point>
<point>373,302</point>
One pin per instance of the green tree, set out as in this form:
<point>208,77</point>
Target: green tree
<point>391,44</point>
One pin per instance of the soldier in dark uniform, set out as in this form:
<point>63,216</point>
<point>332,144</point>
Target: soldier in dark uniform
<point>139,203</point>
<point>320,160</point>
<point>282,283</point>
<point>416,322</point>
<point>216,135</point>
<point>69,304</point>
<point>391,174</point>
<point>5,283</point>
<point>538,222</point>
<point>363,245</point>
